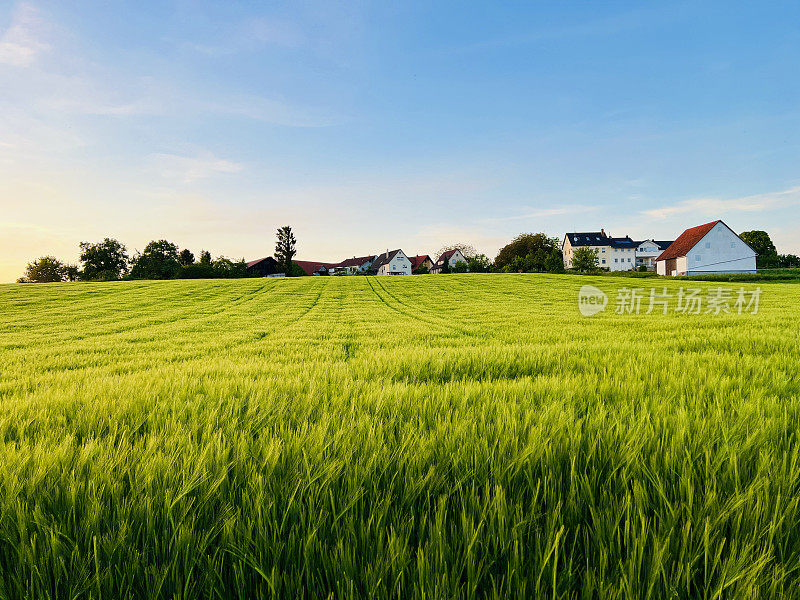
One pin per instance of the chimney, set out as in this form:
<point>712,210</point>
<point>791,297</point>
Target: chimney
<point>602,231</point>
<point>387,253</point>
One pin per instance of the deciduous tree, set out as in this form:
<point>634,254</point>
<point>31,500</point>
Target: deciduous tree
<point>103,261</point>
<point>584,259</point>
<point>186,257</point>
<point>158,260</point>
<point>46,269</point>
<point>766,253</point>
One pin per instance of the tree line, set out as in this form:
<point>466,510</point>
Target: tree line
<point>109,261</point>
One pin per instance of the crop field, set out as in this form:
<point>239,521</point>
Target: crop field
<point>454,436</point>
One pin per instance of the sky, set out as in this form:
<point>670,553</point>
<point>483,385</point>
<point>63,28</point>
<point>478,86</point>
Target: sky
<point>374,126</point>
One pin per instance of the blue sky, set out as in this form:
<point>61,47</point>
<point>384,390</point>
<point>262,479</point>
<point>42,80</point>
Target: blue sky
<point>367,126</point>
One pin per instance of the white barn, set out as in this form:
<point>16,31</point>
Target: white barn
<point>707,249</point>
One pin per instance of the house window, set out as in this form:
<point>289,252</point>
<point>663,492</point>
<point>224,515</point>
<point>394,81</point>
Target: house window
<point>616,260</point>
<point>733,245</point>
<point>697,258</point>
<point>604,261</point>
<point>708,244</point>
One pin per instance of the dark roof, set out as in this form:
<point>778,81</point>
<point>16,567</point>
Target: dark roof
<point>589,238</point>
<point>258,260</point>
<point>622,242</point>
<point>686,241</point>
<point>598,238</point>
<point>416,261</point>
<point>382,258</point>
<point>356,261</point>
<point>660,244</point>
<point>312,266</point>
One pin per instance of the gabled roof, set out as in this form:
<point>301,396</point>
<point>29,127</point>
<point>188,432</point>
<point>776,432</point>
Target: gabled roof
<point>663,244</point>
<point>356,261</point>
<point>258,260</point>
<point>382,258</point>
<point>447,255</point>
<point>416,261</point>
<point>311,266</point>
<point>686,241</point>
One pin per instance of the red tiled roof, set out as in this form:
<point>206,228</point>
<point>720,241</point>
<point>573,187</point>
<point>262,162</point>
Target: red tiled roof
<point>416,261</point>
<point>311,266</point>
<point>686,241</point>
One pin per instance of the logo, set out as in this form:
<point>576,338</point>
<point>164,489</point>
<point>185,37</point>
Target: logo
<point>591,300</point>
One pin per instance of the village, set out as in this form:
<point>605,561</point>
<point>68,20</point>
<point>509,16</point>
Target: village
<point>708,249</point>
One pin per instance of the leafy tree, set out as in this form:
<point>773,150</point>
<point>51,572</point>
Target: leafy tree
<point>479,263</point>
<point>789,261</point>
<point>445,266</point>
<point>103,261</point>
<point>45,269</point>
<point>421,271</point>
<point>297,271</point>
<point>186,257</point>
<point>584,259</point>
<point>158,260</point>
<point>205,257</point>
<point>71,272</point>
<point>460,267</point>
<point>554,263</point>
<point>533,248</point>
<point>285,249</point>
<point>767,254</point>
<point>226,268</point>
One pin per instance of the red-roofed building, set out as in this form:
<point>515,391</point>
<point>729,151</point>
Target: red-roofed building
<point>421,261</point>
<point>312,267</point>
<point>711,248</point>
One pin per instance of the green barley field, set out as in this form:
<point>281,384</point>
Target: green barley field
<point>458,436</point>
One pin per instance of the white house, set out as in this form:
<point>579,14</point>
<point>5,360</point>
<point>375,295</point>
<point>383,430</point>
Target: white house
<point>614,254</point>
<point>453,257</point>
<point>647,252</point>
<point>392,263</point>
<point>707,249</point>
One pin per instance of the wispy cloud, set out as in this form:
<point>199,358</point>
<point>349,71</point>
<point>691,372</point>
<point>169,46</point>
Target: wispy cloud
<point>539,213</point>
<point>187,169</point>
<point>24,39</point>
<point>720,206</point>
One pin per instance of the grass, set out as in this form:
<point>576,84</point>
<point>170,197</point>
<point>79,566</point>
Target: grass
<point>459,436</point>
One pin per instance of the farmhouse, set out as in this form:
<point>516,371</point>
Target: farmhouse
<point>453,257</point>
<point>263,267</point>
<point>352,265</point>
<point>392,263</point>
<point>422,261</point>
<point>712,248</point>
<point>311,267</point>
<point>613,253</point>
